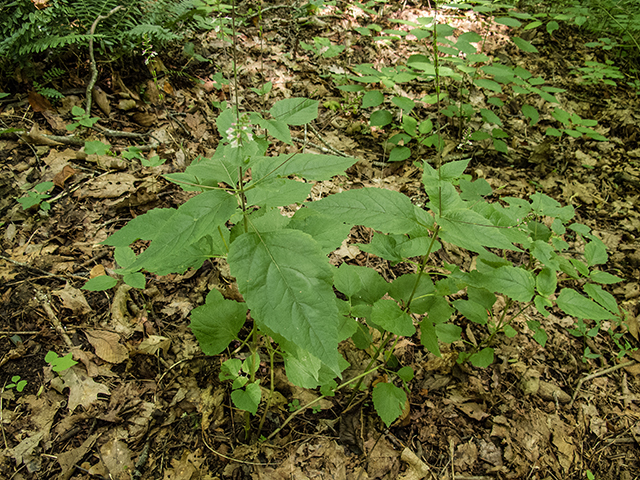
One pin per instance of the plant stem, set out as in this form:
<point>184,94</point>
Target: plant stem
<point>313,402</point>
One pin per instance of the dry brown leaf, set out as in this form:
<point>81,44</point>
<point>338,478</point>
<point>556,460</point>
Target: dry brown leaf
<point>39,102</point>
<point>116,457</point>
<point>97,271</point>
<point>107,345</point>
<point>61,177</point>
<point>101,100</point>
<point>82,389</point>
<point>73,299</point>
<point>153,344</point>
<point>144,119</point>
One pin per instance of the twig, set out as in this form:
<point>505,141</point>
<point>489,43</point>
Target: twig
<point>598,374</point>
<point>44,272</point>
<point>317,134</point>
<point>94,69</point>
<point>204,440</point>
<point>46,304</point>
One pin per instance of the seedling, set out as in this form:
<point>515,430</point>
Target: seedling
<point>59,364</point>
<point>37,196</point>
<point>81,118</point>
<point>16,383</point>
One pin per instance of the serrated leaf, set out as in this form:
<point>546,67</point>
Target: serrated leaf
<point>516,283</point>
<point>406,104</point>
<point>574,304</point>
<point>488,84</point>
<point>328,232</point>
<point>247,399</point>
<point>472,311</point>
<point>276,192</point>
<point>360,284</point>
<point>388,315</point>
<point>295,111</point>
<point>288,285</point>
<point>383,210</point>
<point>306,165</point>
<point>406,374</point>
<point>198,217</point>
<point>599,276</point>
<point>601,296</point>
<point>98,284</point>
<point>389,401</point>
<point>135,280</point>
<point>216,323</point>
<point>144,227</point>
<point>277,129</point>
<point>524,45</point>
<point>595,252</point>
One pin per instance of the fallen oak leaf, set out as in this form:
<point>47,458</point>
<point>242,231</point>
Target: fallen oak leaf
<point>107,345</point>
<point>82,389</point>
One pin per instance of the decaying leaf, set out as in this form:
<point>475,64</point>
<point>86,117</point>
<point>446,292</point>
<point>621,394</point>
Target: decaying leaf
<point>107,345</point>
<point>61,177</point>
<point>82,389</point>
<point>73,299</point>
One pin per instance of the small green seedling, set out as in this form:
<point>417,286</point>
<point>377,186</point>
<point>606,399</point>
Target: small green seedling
<point>59,364</point>
<point>132,153</point>
<point>16,383</point>
<point>37,196</point>
<point>81,118</point>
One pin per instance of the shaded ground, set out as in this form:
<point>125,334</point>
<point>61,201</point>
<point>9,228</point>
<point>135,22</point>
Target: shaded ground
<point>143,398</point>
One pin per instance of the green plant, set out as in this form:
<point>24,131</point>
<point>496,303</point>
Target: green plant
<point>283,273</point>
<point>16,383</point>
<point>37,197</point>
<point>59,364</point>
<point>322,47</point>
<point>81,118</point>
<point>595,72</point>
<point>47,77</point>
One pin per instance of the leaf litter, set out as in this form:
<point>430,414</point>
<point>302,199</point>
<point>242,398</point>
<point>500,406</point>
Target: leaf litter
<point>143,400</point>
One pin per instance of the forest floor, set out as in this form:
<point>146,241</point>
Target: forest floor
<point>144,402</point>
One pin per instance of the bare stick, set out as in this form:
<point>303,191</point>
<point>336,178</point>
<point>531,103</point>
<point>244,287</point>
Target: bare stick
<point>598,374</point>
<point>94,69</point>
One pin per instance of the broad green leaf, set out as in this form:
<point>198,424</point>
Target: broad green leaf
<point>385,246</point>
<point>599,276</point>
<point>516,283</point>
<point>217,323</point>
<point>199,216</point>
<point>295,111</point>
<point>448,333</point>
<point>144,227</point>
<point>406,374</point>
<point>423,299</point>
<point>472,311</point>
<point>383,210</point>
<point>406,104</point>
<point>576,305</point>
<point>524,45</point>
<point>277,129</point>
<point>483,358</point>
<point>380,118</point>
<point>388,315</point>
<point>288,285</point>
<point>500,146</point>
<point>247,399</point>
<point>474,191</point>
<point>490,117</point>
<point>508,21</point>
<point>306,165</point>
<point>98,284</point>
<point>429,337</point>
<point>135,280</point>
<point>488,84</point>
<point>276,192</point>
<point>595,252</point>
<point>124,256</point>
<point>547,281</point>
<point>472,231</point>
<point>531,113</point>
<point>398,154</point>
<point>360,284</point>
<point>372,98</point>
<point>552,27</point>
<point>389,401</point>
<point>602,297</point>
<point>542,304</point>
<point>534,24</point>
<point>328,232</point>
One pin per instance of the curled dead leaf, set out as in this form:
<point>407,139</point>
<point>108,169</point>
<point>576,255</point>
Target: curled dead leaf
<point>39,102</point>
<point>101,100</point>
<point>61,177</point>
